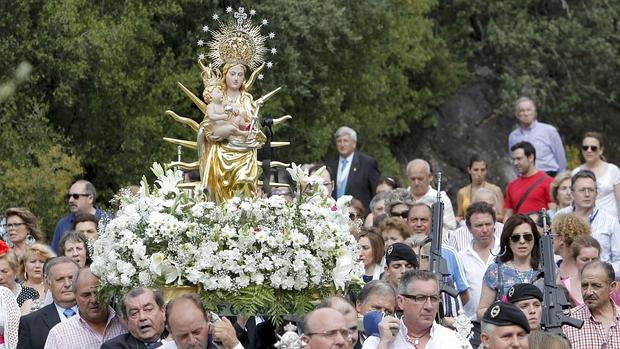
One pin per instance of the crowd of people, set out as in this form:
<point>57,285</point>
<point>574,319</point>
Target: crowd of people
<point>490,244</point>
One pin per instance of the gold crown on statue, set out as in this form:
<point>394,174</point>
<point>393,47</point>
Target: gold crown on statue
<point>237,41</point>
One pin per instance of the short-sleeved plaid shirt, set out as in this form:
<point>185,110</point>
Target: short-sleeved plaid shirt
<point>592,334</point>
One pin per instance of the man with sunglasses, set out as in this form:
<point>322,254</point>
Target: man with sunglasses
<point>81,199</point>
<point>544,137</point>
<point>419,299</point>
<point>605,228</point>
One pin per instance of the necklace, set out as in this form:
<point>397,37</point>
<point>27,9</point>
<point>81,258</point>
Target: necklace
<point>416,340</point>
<point>232,99</point>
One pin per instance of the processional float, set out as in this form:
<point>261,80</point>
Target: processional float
<point>222,236</point>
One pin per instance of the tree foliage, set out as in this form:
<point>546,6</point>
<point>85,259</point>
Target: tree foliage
<point>562,53</point>
<point>104,73</point>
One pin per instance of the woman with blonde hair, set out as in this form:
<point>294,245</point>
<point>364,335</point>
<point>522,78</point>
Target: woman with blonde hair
<point>9,268</point>
<point>23,229</point>
<point>566,227</point>
<point>31,272</point>
<point>561,192</point>
<point>546,340</point>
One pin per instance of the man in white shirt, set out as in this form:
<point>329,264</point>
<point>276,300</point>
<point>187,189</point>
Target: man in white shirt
<point>420,178</point>
<point>461,238</point>
<point>605,227</point>
<point>419,299</point>
<point>475,259</point>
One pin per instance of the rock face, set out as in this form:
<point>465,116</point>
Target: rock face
<point>466,125</point>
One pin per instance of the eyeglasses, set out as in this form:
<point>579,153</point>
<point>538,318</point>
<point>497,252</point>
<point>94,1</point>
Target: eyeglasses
<point>403,214</point>
<point>75,196</point>
<point>344,332</point>
<point>421,298</point>
<point>590,147</point>
<point>14,225</point>
<point>517,237</point>
<point>586,190</point>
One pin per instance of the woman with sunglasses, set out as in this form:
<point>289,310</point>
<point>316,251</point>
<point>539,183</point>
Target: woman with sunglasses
<point>23,229</point>
<point>477,170</point>
<point>519,261</point>
<point>607,175</point>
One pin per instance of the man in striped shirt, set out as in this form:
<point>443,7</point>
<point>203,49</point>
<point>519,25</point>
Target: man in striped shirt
<point>462,238</point>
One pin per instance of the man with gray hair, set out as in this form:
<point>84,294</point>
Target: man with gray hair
<point>550,155</point>
<point>420,178</point>
<point>34,327</point>
<point>419,299</point>
<point>94,324</point>
<point>375,295</point>
<point>81,199</point>
<point>356,173</point>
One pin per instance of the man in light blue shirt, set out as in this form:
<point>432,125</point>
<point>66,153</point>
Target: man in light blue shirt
<point>550,156</point>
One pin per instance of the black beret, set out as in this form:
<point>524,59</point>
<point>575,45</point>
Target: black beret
<point>505,314</point>
<point>520,292</point>
<point>400,252</point>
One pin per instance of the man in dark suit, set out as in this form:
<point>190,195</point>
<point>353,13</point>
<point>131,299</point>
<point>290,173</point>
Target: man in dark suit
<point>143,309</point>
<point>356,173</point>
<point>34,327</point>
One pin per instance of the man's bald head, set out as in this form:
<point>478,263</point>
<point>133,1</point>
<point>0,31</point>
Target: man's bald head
<point>485,195</point>
<point>419,174</point>
<point>419,165</point>
<point>324,328</point>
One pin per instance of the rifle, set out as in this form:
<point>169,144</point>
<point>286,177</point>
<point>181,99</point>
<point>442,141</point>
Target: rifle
<point>555,303</point>
<point>437,264</point>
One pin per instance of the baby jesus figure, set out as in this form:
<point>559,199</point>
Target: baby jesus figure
<point>226,121</point>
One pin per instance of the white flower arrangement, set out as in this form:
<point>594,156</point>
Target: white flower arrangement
<point>166,236</point>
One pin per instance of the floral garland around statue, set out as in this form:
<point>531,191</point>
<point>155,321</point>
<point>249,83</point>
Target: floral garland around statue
<point>250,256</point>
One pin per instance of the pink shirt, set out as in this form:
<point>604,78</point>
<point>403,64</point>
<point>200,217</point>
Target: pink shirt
<point>75,333</point>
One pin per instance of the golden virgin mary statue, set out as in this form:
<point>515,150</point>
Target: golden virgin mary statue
<point>229,135</point>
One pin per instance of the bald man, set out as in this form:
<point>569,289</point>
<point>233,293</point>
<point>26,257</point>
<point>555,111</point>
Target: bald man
<point>348,311</point>
<point>325,328</point>
<point>420,178</point>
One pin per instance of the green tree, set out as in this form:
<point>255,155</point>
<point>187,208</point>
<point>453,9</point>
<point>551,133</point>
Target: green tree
<point>562,53</point>
<point>105,72</point>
